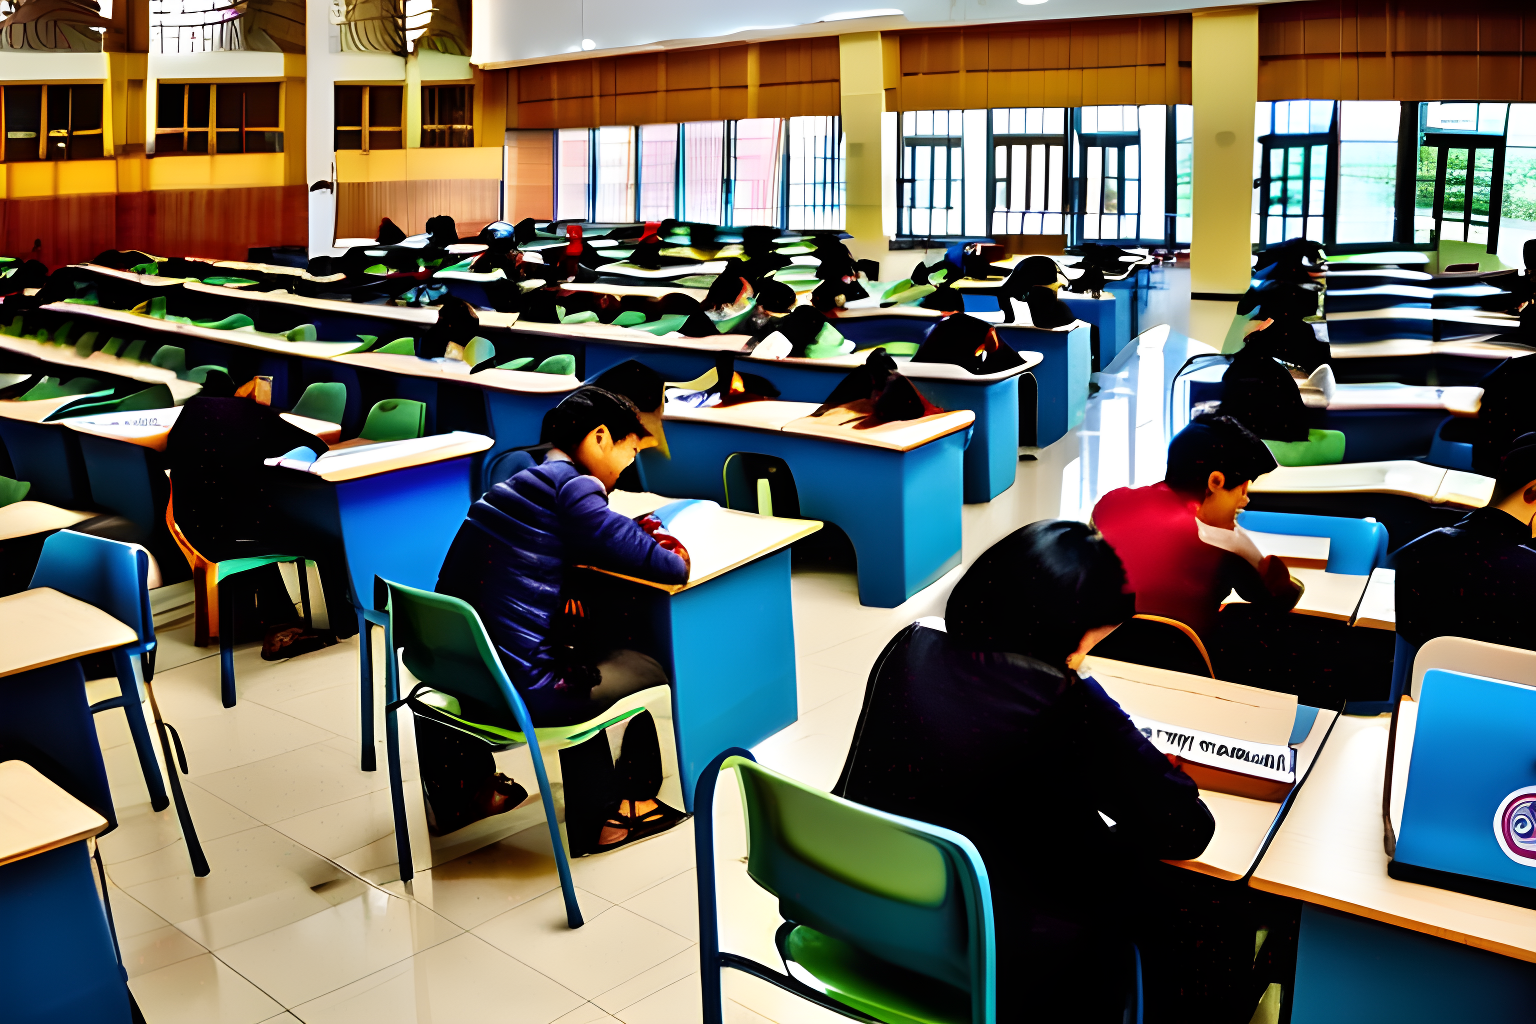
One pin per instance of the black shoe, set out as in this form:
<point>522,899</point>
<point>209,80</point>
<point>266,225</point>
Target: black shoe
<point>638,827</point>
<point>497,795</point>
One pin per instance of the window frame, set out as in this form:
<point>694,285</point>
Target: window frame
<point>366,129</point>
<point>1308,143</point>
<point>44,134</point>
<point>212,129</point>
<point>451,131</point>
<point>1443,142</point>
<point>906,180</point>
<point>995,140</point>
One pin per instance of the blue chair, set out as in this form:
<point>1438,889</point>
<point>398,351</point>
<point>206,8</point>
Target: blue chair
<point>1449,454</point>
<point>892,916</point>
<point>1356,545</point>
<point>114,577</point>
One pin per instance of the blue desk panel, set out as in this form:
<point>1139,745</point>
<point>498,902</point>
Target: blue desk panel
<point>901,510</point>
<point>1110,317</point>
<point>1062,377</point>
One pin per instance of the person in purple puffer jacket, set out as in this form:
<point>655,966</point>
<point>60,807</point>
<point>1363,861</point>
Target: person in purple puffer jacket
<point>509,561</point>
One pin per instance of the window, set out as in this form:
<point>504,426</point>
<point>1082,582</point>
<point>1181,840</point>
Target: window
<point>1367,171</point>
<point>181,118</point>
<point>615,175</point>
<point>573,174</point>
<point>1183,173</point>
<point>704,172</point>
<point>447,115</point>
<point>1029,147</point>
<point>71,114</point>
<point>247,118</point>
<point>370,117</point>
<point>817,181</point>
<point>1107,173</point>
<point>1460,173</point>
<point>930,200</point>
<point>1517,214</point>
<point>755,172</point>
<point>1293,147</point>
<point>658,171</point>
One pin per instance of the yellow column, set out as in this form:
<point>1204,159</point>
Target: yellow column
<point>412,103</point>
<point>1224,85</point>
<point>862,88</point>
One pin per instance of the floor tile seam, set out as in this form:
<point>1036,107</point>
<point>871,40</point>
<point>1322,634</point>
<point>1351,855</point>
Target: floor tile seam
<point>522,963</point>
<point>109,864</point>
<point>321,807</point>
<point>692,948</point>
<point>194,776</point>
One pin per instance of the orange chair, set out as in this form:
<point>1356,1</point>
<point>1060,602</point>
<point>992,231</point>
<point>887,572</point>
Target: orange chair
<point>1160,642</point>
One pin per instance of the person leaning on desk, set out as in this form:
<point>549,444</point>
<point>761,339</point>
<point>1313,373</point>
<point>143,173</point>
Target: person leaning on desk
<point>509,562</point>
<point>1477,579</point>
<point>980,724</point>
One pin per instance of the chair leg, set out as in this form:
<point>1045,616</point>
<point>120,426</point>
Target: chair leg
<point>365,690</point>
<point>226,652</point>
<point>202,634</point>
<point>134,709</point>
<point>562,863</point>
<point>392,756</point>
<point>309,617</point>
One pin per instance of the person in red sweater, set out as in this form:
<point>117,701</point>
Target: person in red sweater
<point>1179,540</point>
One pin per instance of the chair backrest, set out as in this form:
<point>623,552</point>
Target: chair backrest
<point>109,574</point>
<point>477,350</point>
<point>912,894</point>
<point>395,419</point>
<point>445,645</point>
<point>1474,658</point>
<point>1356,546</point>
<point>1160,642</point>
<point>12,491</point>
<point>170,357</point>
<point>323,400</point>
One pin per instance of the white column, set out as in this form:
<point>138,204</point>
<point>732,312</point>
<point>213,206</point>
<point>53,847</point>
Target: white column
<point>319,125</point>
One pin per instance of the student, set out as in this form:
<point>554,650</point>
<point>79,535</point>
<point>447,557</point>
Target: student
<point>980,724</point>
<point>1179,539</point>
<point>1477,579</point>
<point>509,561</point>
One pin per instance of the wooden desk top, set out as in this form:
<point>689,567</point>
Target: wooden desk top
<point>1329,852</point>
<point>1393,348</point>
<point>1458,401</point>
<point>351,462</point>
<point>37,816</point>
<point>1329,595</point>
<point>1410,479</point>
<point>35,411</point>
<point>99,362</point>
<point>384,312</point>
<point>768,415</point>
<point>1243,824</point>
<point>654,291</point>
<point>44,627</point>
<point>1378,607</point>
<point>796,418</point>
<point>1459,316</point>
<point>718,539</point>
<point>150,428</point>
<point>1485,347</point>
<point>1295,551</point>
<point>243,338</point>
<point>524,382</point>
<point>152,280</point>
<point>1406,257</point>
<point>24,518</point>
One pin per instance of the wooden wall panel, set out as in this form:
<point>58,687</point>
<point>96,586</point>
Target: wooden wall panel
<point>215,223</point>
<point>1412,50</point>
<point>1058,63</point>
<point>360,205</point>
<point>793,77</point>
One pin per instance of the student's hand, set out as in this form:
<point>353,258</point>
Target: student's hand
<point>651,525</point>
<point>1279,581</point>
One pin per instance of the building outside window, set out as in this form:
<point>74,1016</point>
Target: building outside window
<point>370,117</point>
<point>447,115</point>
<point>1028,193</point>
<point>1293,156</point>
<point>816,158</point>
<point>931,198</point>
<point>52,122</point>
<point>1367,172</point>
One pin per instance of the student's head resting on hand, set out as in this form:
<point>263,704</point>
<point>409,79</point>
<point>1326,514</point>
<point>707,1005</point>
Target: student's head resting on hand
<point>599,431</point>
<point>1048,591</point>
<point>1212,461</point>
<point>1514,491</point>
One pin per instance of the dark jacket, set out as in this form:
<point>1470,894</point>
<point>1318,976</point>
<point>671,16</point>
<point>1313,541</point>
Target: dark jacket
<point>1020,758</point>
<point>215,452</point>
<point>509,561</point>
<point>1476,579</point>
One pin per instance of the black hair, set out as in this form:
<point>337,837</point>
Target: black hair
<point>634,381</point>
<point>1038,590</point>
<point>1516,469</point>
<point>1262,395</point>
<point>775,296</point>
<point>1214,444</point>
<point>586,409</point>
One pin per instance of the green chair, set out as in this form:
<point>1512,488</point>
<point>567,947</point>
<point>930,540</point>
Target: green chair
<point>324,400</point>
<point>395,419</point>
<point>891,916</point>
<point>444,644</point>
<point>12,491</point>
<point>1321,448</point>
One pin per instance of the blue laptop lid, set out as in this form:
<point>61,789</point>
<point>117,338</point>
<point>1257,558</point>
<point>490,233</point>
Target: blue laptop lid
<point>1470,806</point>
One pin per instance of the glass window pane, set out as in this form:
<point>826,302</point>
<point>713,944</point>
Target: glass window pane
<point>198,99</point>
<point>1090,120</point>
<point>1095,178</point>
<point>1053,185</point>
<point>1368,121</point>
<point>817,182</point>
<point>1055,120</point>
<point>1455,183</point>
<point>170,107</point>
<point>1263,123</point>
<point>388,138</point>
<point>263,103</point>
<point>1490,118</point>
<point>230,101</point>
<point>703,171</point>
<point>1522,125</point>
<point>615,175</point>
<point>1322,116</point>
<point>755,172</point>
<point>386,106</point>
<point>1517,219</point>
<point>349,106</point>
<point>658,171</point>
<point>345,139</point>
<point>1481,193</point>
<point>1367,187</point>
<point>572,174</point>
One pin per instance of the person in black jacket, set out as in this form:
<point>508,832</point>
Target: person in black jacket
<point>981,724</point>
<point>509,561</point>
<point>1477,579</point>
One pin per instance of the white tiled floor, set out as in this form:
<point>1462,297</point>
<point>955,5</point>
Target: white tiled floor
<point>303,917</point>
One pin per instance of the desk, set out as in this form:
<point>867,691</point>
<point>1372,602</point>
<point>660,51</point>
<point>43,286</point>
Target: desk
<point>1062,375</point>
<point>44,455</point>
<point>151,427</point>
<point>726,637</point>
<point>388,510</point>
<point>1373,948</point>
<point>896,489</point>
<point>1414,322</point>
<point>1408,498</point>
<point>1243,824</point>
<point>1329,595</point>
<point>98,363</point>
<point>24,518</point>
<point>57,958</point>
<point>1378,606</point>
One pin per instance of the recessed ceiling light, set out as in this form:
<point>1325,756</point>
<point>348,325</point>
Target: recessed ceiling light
<point>879,12</point>
<point>1031,3</point>
<point>587,44</point>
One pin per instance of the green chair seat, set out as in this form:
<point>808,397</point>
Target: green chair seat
<point>156,396</point>
<point>444,708</point>
<point>663,324</point>
<point>629,318</point>
<point>12,491</point>
<point>398,347</point>
<point>233,322</point>
<point>897,348</point>
<point>1321,448</point>
<point>520,363</point>
<point>395,419</point>
<point>563,364</point>
<point>477,350</point>
<point>882,990</point>
<point>323,400</point>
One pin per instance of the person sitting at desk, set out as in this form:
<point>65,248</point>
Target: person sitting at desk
<point>509,561</point>
<point>1477,579</point>
<point>980,724</point>
<point>1179,539</point>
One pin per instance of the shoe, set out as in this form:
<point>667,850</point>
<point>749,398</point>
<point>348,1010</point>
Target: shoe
<point>496,795</point>
<point>282,642</point>
<point>638,827</point>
